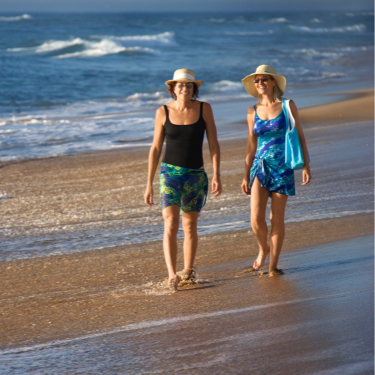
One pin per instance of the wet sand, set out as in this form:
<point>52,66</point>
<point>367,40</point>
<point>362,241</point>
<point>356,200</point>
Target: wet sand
<point>67,296</point>
<point>51,298</point>
<point>316,319</point>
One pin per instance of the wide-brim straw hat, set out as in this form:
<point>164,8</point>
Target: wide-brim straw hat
<point>184,75</point>
<point>263,69</point>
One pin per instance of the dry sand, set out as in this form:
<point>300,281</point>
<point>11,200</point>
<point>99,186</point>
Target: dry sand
<point>63,296</point>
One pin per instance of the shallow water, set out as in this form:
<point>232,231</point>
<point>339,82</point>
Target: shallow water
<point>316,319</point>
<point>334,191</point>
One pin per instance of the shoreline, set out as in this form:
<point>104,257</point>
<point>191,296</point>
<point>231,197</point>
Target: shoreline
<point>58,203</point>
<point>67,296</point>
<point>333,113</point>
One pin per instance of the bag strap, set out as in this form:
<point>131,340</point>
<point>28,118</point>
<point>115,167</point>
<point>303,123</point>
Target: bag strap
<point>285,103</point>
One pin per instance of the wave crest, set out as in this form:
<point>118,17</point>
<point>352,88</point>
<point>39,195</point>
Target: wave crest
<point>278,20</point>
<point>248,33</point>
<point>95,46</point>
<point>15,18</point>
<point>353,28</point>
<point>226,86</point>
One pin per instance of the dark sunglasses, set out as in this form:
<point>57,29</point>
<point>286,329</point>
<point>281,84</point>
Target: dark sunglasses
<point>188,85</point>
<point>257,80</point>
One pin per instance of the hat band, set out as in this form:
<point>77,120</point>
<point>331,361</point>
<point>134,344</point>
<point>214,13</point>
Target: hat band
<point>183,75</point>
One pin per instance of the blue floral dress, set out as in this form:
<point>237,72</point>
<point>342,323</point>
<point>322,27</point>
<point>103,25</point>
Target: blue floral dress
<point>269,161</point>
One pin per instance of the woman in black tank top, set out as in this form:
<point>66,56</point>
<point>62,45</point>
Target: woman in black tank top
<point>183,181</point>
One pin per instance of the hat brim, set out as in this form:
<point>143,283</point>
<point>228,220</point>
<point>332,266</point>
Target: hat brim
<point>250,86</point>
<point>198,82</point>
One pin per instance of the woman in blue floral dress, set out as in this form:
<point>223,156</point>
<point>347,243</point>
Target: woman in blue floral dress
<point>266,174</point>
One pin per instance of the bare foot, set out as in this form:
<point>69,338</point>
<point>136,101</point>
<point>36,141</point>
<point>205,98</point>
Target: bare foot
<point>173,283</point>
<point>259,263</point>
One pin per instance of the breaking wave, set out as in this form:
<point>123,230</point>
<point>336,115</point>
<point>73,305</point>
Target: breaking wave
<point>226,86</point>
<point>353,28</point>
<point>248,33</point>
<point>15,18</point>
<point>101,45</point>
<point>278,20</point>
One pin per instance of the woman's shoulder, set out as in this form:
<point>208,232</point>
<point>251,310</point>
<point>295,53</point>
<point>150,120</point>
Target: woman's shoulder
<point>205,105</point>
<point>162,108</point>
<point>292,105</point>
<point>251,110</point>
<point>160,112</point>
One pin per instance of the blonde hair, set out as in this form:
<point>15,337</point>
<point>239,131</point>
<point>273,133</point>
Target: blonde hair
<point>277,94</point>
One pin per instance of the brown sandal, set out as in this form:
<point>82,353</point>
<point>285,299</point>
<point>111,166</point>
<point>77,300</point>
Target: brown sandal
<point>187,274</point>
<point>276,272</point>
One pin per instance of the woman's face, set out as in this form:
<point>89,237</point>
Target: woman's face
<point>184,90</point>
<point>264,84</point>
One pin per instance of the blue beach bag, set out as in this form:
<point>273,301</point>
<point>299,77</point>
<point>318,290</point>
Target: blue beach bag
<point>293,151</point>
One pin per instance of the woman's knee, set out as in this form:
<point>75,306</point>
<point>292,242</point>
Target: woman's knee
<point>277,220</point>
<point>257,221</point>
<point>190,225</point>
<point>171,223</point>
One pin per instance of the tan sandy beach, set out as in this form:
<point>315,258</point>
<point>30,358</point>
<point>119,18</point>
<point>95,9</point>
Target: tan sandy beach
<point>65,296</point>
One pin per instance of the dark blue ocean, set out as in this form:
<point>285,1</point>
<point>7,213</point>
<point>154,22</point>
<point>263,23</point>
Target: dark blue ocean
<point>79,82</point>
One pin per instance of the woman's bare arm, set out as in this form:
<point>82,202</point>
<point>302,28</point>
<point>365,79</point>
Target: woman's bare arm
<point>251,147</point>
<point>306,174</point>
<point>154,155</point>
<point>214,147</point>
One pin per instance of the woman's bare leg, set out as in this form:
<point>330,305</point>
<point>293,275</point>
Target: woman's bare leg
<point>258,204</point>
<point>277,218</point>
<point>171,217</point>
<point>190,224</point>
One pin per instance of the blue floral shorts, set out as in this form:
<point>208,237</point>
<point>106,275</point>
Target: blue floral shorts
<point>184,187</point>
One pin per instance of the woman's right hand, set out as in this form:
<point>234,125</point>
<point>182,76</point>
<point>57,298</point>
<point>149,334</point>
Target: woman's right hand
<point>149,196</point>
<point>245,186</point>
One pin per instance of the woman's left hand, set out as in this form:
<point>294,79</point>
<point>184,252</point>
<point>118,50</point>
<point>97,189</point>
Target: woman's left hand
<point>216,186</point>
<point>306,176</point>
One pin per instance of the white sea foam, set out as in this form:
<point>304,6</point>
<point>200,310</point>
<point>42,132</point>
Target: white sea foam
<point>327,215</point>
<point>353,28</point>
<point>102,45</point>
<point>146,97</point>
<point>106,47</point>
<point>226,86</point>
<point>15,18</point>
<point>249,33</point>
<point>324,75</point>
<point>161,39</point>
<point>278,20</point>
<point>56,136</point>
<point>231,224</point>
<point>315,53</point>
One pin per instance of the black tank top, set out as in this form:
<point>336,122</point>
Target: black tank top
<point>184,142</point>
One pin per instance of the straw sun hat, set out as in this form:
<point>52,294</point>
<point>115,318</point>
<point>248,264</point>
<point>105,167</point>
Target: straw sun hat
<point>263,69</point>
<point>184,75</point>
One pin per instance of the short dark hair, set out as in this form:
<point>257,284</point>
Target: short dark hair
<point>172,85</point>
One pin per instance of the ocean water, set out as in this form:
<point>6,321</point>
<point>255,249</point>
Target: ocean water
<point>80,82</point>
